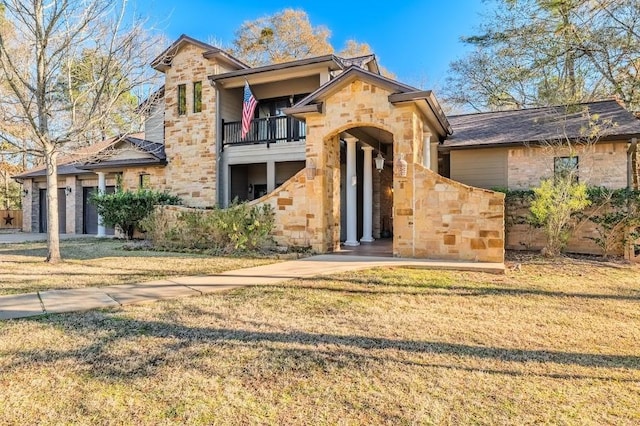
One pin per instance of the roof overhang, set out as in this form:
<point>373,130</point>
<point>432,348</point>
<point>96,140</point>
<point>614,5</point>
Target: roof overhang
<point>610,138</point>
<point>428,105</point>
<point>163,61</point>
<point>119,164</point>
<point>277,72</point>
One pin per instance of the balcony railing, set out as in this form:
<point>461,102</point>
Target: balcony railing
<point>266,130</point>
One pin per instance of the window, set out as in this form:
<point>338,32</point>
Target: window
<point>182,99</point>
<point>566,167</point>
<point>144,180</point>
<point>197,96</point>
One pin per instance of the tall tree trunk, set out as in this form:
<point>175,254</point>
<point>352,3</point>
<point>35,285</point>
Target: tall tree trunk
<point>53,235</point>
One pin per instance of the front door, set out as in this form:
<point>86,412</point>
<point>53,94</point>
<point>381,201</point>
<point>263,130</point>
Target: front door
<point>62,211</point>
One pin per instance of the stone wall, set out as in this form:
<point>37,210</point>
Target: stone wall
<point>190,139</point>
<point>523,236</point>
<point>601,164</point>
<point>289,202</point>
<point>451,220</point>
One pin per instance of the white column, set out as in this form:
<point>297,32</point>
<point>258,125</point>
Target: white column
<point>271,176</point>
<point>352,195</point>
<point>367,196</point>
<point>102,188</point>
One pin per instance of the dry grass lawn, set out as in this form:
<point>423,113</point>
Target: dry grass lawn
<point>553,343</point>
<point>91,262</point>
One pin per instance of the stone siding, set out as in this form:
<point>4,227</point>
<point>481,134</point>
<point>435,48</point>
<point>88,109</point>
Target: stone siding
<point>190,139</point>
<point>451,220</point>
<point>600,164</point>
<point>289,202</point>
<point>523,236</point>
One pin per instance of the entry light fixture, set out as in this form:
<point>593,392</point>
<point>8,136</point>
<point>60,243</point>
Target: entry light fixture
<point>25,192</point>
<point>379,158</point>
<point>67,190</point>
<point>311,168</point>
<point>379,162</point>
<point>250,187</point>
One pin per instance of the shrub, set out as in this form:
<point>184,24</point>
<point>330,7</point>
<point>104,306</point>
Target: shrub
<point>554,203</point>
<point>239,228</point>
<point>127,209</point>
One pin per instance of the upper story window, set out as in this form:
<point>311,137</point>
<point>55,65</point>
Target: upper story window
<point>566,167</point>
<point>197,96</point>
<point>182,99</point>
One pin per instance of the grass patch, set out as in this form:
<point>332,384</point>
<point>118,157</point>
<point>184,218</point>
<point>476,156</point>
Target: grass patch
<point>95,262</point>
<point>556,342</point>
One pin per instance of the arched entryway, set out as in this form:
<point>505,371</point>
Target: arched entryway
<point>365,176</point>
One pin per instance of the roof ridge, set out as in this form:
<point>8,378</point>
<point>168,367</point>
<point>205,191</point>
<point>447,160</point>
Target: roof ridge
<point>534,108</point>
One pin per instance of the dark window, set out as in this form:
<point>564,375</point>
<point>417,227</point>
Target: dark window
<point>566,167</point>
<point>197,96</point>
<point>144,180</point>
<point>182,99</point>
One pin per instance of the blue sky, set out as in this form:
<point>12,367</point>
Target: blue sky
<point>414,39</point>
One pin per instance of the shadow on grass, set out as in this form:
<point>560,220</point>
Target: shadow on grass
<point>348,351</point>
<point>378,287</point>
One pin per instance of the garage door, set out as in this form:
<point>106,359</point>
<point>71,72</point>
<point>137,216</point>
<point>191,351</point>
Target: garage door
<point>90,214</point>
<point>62,211</point>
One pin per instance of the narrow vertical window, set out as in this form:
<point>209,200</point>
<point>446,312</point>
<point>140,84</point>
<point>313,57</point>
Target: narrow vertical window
<point>182,99</point>
<point>197,96</point>
<point>144,181</point>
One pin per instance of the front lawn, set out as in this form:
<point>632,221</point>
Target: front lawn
<point>92,262</point>
<point>552,343</point>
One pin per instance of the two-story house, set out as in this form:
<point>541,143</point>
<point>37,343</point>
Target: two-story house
<point>342,153</point>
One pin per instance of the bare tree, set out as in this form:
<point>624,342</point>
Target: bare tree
<point>46,109</point>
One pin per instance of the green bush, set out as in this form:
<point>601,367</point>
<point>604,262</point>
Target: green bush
<point>554,203</point>
<point>127,209</point>
<point>239,228</point>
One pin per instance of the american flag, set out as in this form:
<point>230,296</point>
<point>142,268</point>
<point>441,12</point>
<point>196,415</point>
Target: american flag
<point>248,107</point>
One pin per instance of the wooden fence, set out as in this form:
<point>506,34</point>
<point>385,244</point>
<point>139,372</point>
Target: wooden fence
<point>10,219</point>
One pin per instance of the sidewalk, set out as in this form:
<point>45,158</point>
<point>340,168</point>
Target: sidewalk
<point>58,301</point>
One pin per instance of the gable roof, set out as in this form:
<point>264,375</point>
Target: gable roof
<point>279,66</point>
<point>401,93</point>
<point>163,61</point>
<point>89,158</point>
<point>539,125</point>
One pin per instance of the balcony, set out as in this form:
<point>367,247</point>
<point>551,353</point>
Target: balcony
<point>266,130</point>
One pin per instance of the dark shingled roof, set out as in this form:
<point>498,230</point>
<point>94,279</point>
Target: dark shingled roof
<point>84,160</point>
<point>536,125</point>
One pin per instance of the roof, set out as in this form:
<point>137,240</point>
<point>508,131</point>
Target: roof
<point>279,66</point>
<point>164,60</point>
<point>82,160</point>
<point>401,93</point>
<point>539,125</point>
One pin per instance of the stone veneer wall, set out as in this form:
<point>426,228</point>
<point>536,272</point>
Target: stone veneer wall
<point>450,220</point>
<point>523,236</point>
<point>190,139</point>
<point>289,202</point>
<point>600,164</point>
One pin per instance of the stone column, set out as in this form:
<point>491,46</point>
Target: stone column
<point>102,189</point>
<point>352,195</point>
<point>367,196</point>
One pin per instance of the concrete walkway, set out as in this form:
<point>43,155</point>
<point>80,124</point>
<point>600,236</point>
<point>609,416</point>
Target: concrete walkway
<point>58,301</point>
<point>26,237</point>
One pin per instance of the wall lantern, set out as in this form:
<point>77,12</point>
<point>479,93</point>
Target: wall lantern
<point>401,166</point>
<point>25,192</point>
<point>250,189</point>
<point>379,162</point>
<point>311,169</point>
<point>67,190</point>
